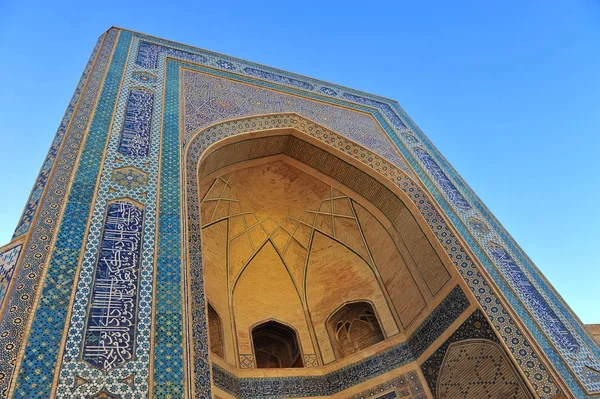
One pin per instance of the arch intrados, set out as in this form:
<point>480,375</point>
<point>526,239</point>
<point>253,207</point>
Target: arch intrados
<point>374,176</point>
<point>386,197</point>
<point>293,132</point>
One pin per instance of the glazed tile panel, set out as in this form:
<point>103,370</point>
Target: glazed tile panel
<point>406,386</point>
<point>40,358</point>
<point>210,99</point>
<point>8,264</point>
<point>135,136</point>
<point>110,328</point>
<point>545,315</point>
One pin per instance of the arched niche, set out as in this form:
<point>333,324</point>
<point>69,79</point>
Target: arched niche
<point>359,171</point>
<point>354,327</point>
<point>478,368</point>
<point>215,332</point>
<point>275,345</point>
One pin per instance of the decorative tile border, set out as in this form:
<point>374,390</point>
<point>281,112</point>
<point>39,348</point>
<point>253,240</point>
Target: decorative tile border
<point>406,148</point>
<point>545,315</point>
<point>8,265</point>
<point>406,386</point>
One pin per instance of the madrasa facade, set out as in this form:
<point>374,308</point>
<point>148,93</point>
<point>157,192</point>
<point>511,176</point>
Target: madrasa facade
<point>205,226</point>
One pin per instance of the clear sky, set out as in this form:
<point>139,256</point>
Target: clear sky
<point>509,91</point>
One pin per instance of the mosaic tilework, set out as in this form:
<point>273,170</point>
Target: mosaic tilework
<point>40,356</point>
<point>541,310</point>
<point>147,56</point>
<point>168,335</point>
<point>209,99</point>
<point>438,321</point>
<point>453,194</point>
<point>384,108</point>
<point>135,136</point>
<point>8,264</point>
<point>328,384</point>
<point>404,386</point>
<point>478,226</point>
<point>457,254</point>
<point>195,149</point>
<point>42,179</point>
<point>475,327</point>
<point>143,77</point>
<point>110,328</point>
<point>563,360</point>
<point>479,369</point>
<point>122,369</point>
<point>274,77</point>
<point>130,177</point>
<point>35,256</point>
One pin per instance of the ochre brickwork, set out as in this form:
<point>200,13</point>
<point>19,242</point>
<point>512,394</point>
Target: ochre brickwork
<point>280,244</point>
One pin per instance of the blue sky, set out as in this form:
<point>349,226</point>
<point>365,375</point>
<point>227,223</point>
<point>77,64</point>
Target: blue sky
<point>508,91</point>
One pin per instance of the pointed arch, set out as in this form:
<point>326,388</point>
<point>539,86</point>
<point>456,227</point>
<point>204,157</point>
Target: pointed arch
<point>384,187</point>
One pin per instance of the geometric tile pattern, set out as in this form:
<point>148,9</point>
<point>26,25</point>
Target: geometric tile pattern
<point>8,263</point>
<point>412,142</point>
<point>130,177</point>
<point>405,386</point>
<point>210,99</point>
<point>143,77</point>
<point>475,329</point>
<point>41,354</point>
<point>442,189</point>
<point>45,228</point>
<point>479,369</point>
